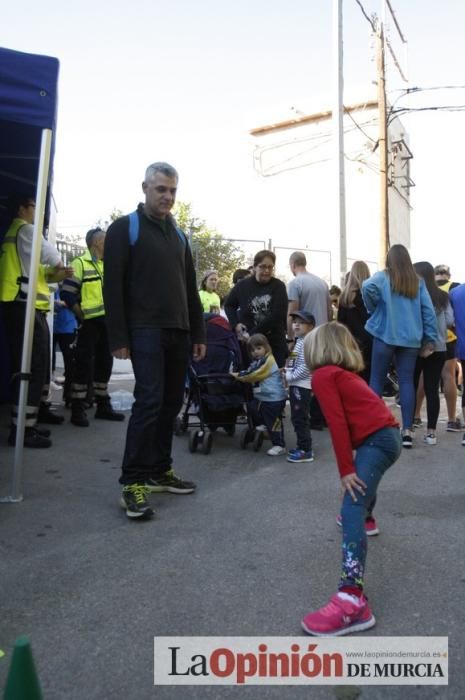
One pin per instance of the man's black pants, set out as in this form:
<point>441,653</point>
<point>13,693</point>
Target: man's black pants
<point>93,360</point>
<point>14,315</point>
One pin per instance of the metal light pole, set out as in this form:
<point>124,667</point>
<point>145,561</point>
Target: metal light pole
<point>383,151</point>
<point>338,125</point>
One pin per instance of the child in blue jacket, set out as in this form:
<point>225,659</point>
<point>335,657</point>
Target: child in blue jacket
<point>269,394</point>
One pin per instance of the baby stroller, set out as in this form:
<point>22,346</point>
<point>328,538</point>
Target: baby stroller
<point>214,398</point>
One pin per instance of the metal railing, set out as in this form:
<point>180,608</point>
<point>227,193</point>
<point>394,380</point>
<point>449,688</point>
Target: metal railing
<point>68,250</point>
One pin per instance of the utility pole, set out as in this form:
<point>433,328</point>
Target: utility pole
<point>383,149</point>
<point>338,124</point>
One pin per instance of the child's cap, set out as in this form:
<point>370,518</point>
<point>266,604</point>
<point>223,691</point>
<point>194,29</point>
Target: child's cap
<point>304,316</point>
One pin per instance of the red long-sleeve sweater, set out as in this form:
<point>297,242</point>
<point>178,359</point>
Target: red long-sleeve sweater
<point>351,409</point>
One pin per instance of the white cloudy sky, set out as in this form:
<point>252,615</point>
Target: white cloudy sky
<point>184,82</point>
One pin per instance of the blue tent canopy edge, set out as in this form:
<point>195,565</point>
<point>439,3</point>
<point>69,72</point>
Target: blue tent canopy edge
<point>28,104</point>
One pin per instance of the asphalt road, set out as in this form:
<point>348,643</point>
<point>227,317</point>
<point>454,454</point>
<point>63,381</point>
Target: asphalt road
<point>251,552</point>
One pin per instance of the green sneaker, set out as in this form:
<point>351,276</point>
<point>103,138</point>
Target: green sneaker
<point>134,500</point>
<point>169,482</point>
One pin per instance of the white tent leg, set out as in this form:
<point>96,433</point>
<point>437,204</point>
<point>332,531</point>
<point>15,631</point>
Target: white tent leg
<point>41,197</point>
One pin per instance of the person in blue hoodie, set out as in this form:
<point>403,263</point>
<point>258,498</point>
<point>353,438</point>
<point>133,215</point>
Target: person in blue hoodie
<point>457,297</point>
<point>64,335</point>
<point>269,394</point>
<point>403,324</point>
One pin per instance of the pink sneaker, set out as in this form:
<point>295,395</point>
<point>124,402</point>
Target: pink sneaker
<point>371,526</point>
<point>339,617</point>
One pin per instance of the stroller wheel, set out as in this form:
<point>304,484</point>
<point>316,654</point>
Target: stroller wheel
<point>258,440</point>
<point>207,443</point>
<point>246,437</point>
<point>193,440</point>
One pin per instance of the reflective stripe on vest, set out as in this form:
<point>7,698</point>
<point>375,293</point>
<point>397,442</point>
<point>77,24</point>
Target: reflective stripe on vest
<point>13,285</point>
<point>90,273</point>
<point>450,334</point>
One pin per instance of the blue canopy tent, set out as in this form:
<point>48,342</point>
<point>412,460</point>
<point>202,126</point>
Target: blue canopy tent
<point>28,105</point>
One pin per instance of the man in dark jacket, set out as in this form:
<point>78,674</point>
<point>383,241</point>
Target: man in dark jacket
<point>153,313</point>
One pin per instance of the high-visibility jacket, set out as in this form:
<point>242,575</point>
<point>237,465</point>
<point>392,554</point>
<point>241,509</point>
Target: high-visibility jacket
<point>89,273</point>
<point>450,334</point>
<point>14,286</point>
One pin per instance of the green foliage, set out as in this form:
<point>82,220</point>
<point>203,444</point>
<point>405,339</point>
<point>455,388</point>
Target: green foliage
<point>116,214</point>
<point>209,249</point>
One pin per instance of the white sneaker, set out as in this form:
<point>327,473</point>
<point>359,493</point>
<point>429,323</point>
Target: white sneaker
<point>430,439</point>
<point>407,440</point>
<point>276,450</point>
<point>261,428</point>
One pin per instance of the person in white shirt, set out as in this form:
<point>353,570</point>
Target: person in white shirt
<point>15,264</point>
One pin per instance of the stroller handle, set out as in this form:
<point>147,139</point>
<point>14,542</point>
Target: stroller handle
<point>217,375</point>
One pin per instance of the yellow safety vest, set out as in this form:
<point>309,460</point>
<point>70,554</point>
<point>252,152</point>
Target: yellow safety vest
<point>450,334</point>
<point>13,286</point>
<point>90,274</point>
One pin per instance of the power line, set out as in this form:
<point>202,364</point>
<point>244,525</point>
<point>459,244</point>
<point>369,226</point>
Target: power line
<point>324,137</point>
<point>444,108</point>
<point>416,89</point>
<point>396,62</point>
<point>364,13</point>
<point>435,87</point>
<point>437,108</point>
<point>393,14</point>
<point>360,128</point>
<point>386,40</point>
<point>295,167</point>
<point>366,163</point>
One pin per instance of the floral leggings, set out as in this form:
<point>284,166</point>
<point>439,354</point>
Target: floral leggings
<point>372,459</point>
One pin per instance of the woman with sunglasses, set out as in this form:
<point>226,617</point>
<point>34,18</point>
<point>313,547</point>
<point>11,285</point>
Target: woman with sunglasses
<point>258,304</point>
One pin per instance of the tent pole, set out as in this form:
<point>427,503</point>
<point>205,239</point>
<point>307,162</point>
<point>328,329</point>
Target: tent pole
<point>41,197</point>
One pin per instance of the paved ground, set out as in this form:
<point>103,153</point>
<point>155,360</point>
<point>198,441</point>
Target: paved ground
<point>248,554</point>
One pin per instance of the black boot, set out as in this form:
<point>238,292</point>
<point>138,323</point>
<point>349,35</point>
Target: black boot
<point>32,438</point>
<point>78,415</point>
<point>45,432</point>
<point>105,411</point>
<point>46,415</point>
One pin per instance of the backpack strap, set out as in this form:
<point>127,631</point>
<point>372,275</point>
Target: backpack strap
<point>134,230</point>
<point>182,236</point>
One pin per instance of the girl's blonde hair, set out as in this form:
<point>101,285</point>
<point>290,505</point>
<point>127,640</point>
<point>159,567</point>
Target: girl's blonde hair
<point>258,339</point>
<point>358,274</point>
<point>332,344</point>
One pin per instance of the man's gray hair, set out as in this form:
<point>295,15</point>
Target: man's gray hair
<point>163,168</point>
<point>298,258</point>
<point>93,235</point>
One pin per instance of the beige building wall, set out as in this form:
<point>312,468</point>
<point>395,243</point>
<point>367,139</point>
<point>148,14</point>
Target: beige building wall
<point>297,191</point>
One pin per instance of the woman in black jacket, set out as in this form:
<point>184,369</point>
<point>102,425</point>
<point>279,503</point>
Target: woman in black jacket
<point>258,304</point>
<point>353,314</point>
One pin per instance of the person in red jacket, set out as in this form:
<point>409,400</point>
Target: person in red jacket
<point>359,421</point>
